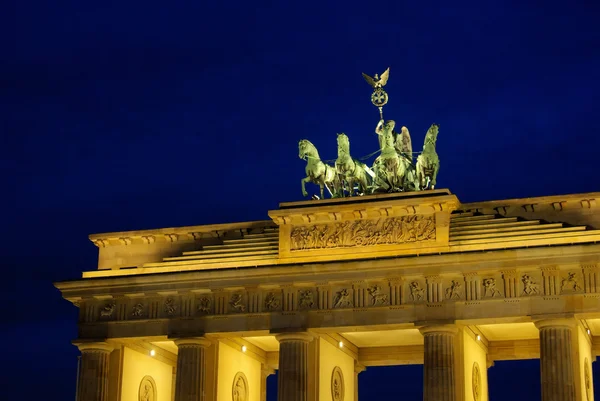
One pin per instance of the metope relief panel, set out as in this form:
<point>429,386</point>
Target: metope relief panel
<point>492,287</point>
<point>273,301</point>
<point>417,290</point>
<point>343,297</point>
<point>237,302</point>
<point>361,233</point>
<point>530,283</point>
<point>454,288</point>
<point>378,294</point>
<point>107,310</point>
<point>571,282</point>
<point>170,307</point>
<point>204,304</point>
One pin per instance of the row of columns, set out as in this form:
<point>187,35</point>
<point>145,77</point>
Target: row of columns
<point>439,382</point>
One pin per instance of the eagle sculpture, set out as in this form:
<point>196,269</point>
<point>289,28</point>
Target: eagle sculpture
<point>377,81</point>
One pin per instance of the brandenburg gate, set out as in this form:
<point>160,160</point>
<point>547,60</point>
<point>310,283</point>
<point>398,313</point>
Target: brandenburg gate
<point>325,289</point>
<point>387,271</point>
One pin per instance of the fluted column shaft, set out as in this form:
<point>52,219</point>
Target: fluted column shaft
<point>438,367</point>
<point>190,382</point>
<point>293,367</point>
<point>93,372</point>
<point>556,359</point>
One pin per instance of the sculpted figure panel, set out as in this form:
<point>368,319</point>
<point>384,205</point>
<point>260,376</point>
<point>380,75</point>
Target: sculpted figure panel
<point>239,391</point>
<point>337,384</point>
<point>476,382</point>
<point>395,230</point>
<point>147,390</point>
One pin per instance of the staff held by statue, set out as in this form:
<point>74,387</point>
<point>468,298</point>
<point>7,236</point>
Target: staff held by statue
<point>379,97</point>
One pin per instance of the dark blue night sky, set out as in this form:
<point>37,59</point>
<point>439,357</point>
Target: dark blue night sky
<point>130,115</point>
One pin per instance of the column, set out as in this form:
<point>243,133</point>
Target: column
<point>190,382</point>
<point>556,359</point>
<point>439,383</point>
<point>265,372</point>
<point>357,369</point>
<point>93,371</point>
<point>293,366</point>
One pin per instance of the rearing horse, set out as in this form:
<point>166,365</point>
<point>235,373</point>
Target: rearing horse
<point>349,169</point>
<point>317,171</point>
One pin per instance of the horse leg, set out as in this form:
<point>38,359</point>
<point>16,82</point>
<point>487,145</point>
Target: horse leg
<point>303,182</point>
<point>434,175</point>
<point>321,185</point>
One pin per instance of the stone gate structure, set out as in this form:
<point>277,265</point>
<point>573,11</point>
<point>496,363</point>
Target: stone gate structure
<point>325,289</point>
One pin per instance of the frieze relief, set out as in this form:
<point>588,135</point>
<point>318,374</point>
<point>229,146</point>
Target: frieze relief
<point>107,311</point>
<point>170,307</point>
<point>378,296</point>
<point>137,310</point>
<point>306,299</point>
<point>272,302</point>
<point>389,293</point>
<point>491,288</point>
<point>417,291</point>
<point>383,231</point>
<point>236,303</point>
<point>204,305</point>
<point>571,283</point>
<point>343,298</point>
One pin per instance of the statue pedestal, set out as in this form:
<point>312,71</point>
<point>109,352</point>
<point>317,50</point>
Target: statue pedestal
<point>364,227</point>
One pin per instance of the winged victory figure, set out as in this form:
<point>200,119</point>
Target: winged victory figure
<point>377,81</point>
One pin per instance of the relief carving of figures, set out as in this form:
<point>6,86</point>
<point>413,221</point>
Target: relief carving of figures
<point>239,391</point>
<point>306,300</point>
<point>272,302</point>
<point>170,306</point>
<point>137,310</point>
<point>454,290</point>
<point>107,310</point>
<point>204,305</point>
<point>416,292</point>
<point>529,286</point>
<point>237,303</point>
<point>377,296</point>
<point>476,382</point>
<point>342,299</point>
<point>489,288</point>
<point>337,384</point>
<point>395,230</point>
<point>147,389</point>
<point>570,283</point>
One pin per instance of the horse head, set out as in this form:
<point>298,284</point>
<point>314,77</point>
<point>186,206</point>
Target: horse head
<point>343,143</point>
<point>307,149</point>
<point>431,135</point>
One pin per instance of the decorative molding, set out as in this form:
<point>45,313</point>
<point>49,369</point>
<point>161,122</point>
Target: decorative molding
<point>360,233</point>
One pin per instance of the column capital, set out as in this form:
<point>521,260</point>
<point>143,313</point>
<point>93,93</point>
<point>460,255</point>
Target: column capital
<point>442,328</point>
<point>299,336</point>
<point>98,346</point>
<point>198,341</point>
<point>358,368</point>
<point>555,323</point>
